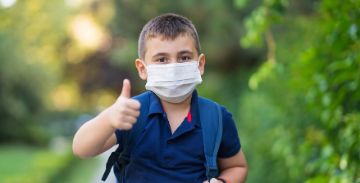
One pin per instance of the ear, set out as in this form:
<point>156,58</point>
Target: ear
<point>202,63</point>
<point>141,69</point>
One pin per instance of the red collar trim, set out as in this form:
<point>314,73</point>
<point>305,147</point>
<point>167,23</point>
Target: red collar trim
<point>189,117</point>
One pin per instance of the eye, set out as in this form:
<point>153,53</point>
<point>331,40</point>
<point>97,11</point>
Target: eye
<point>161,60</point>
<point>184,59</point>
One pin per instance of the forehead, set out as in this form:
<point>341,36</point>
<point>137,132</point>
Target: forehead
<point>161,44</point>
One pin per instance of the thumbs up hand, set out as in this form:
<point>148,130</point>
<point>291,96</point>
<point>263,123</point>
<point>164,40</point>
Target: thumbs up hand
<point>124,112</point>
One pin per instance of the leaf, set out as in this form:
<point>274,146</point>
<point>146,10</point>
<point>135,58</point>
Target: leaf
<point>264,72</point>
<point>240,3</point>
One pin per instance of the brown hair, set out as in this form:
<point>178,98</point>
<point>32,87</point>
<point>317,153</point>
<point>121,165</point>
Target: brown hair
<point>169,26</point>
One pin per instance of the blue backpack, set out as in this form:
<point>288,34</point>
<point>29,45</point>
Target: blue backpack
<point>211,124</point>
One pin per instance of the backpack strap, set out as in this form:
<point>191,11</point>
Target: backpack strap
<point>121,156</point>
<point>212,128</point>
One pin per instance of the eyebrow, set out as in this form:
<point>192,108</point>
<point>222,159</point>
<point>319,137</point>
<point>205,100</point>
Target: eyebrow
<point>179,53</point>
<point>185,52</point>
<point>160,54</point>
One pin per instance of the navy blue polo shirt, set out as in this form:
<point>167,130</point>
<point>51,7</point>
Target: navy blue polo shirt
<point>161,156</point>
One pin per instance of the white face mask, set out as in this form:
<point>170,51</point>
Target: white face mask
<point>173,82</point>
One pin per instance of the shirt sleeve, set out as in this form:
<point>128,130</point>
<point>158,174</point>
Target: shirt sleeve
<point>230,143</point>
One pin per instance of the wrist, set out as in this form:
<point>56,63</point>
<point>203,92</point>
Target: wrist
<point>105,117</point>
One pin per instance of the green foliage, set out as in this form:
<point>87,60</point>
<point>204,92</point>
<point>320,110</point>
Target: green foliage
<point>29,67</point>
<point>240,3</point>
<point>21,91</point>
<point>260,20</point>
<point>334,95</point>
<point>258,119</point>
<point>316,87</point>
<point>265,71</point>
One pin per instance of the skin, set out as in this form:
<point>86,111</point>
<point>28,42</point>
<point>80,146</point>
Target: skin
<point>124,112</point>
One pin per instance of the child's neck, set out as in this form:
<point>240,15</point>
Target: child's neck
<point>176,112</point>
<point>176,107</point>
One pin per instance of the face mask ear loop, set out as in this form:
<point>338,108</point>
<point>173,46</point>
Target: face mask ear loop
<point>198,61</point>
<point>198,64</point>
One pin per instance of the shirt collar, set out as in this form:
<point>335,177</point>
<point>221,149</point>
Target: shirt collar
<point>155,106</point>
<point>194,109</point>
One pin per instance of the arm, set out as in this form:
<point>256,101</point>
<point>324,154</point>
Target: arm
<point>94,137</point>
<point>97,135</point>
<point>233,169</point>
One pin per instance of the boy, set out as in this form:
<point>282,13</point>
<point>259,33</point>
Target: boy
<point>170,149</point>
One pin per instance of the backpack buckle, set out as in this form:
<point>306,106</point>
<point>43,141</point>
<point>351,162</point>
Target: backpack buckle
<point>122,161</point>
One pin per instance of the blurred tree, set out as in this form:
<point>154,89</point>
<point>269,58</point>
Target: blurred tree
<point>314,82</point>
<point>30,34</point>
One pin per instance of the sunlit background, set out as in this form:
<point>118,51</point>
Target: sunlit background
<point>288,70</point>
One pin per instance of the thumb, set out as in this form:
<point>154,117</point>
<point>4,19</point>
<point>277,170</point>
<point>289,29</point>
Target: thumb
<point>126,89</point>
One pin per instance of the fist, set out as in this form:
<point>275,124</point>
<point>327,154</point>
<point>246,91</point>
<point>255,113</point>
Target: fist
<point>125,111</point>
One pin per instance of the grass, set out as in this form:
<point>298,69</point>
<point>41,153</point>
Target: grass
<point>15,160</point>
<point>25,164</point>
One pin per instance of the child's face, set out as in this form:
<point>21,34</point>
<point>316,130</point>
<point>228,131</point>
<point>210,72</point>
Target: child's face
<point>165,51</point>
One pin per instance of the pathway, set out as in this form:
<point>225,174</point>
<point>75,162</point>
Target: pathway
<point>98,174</point>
